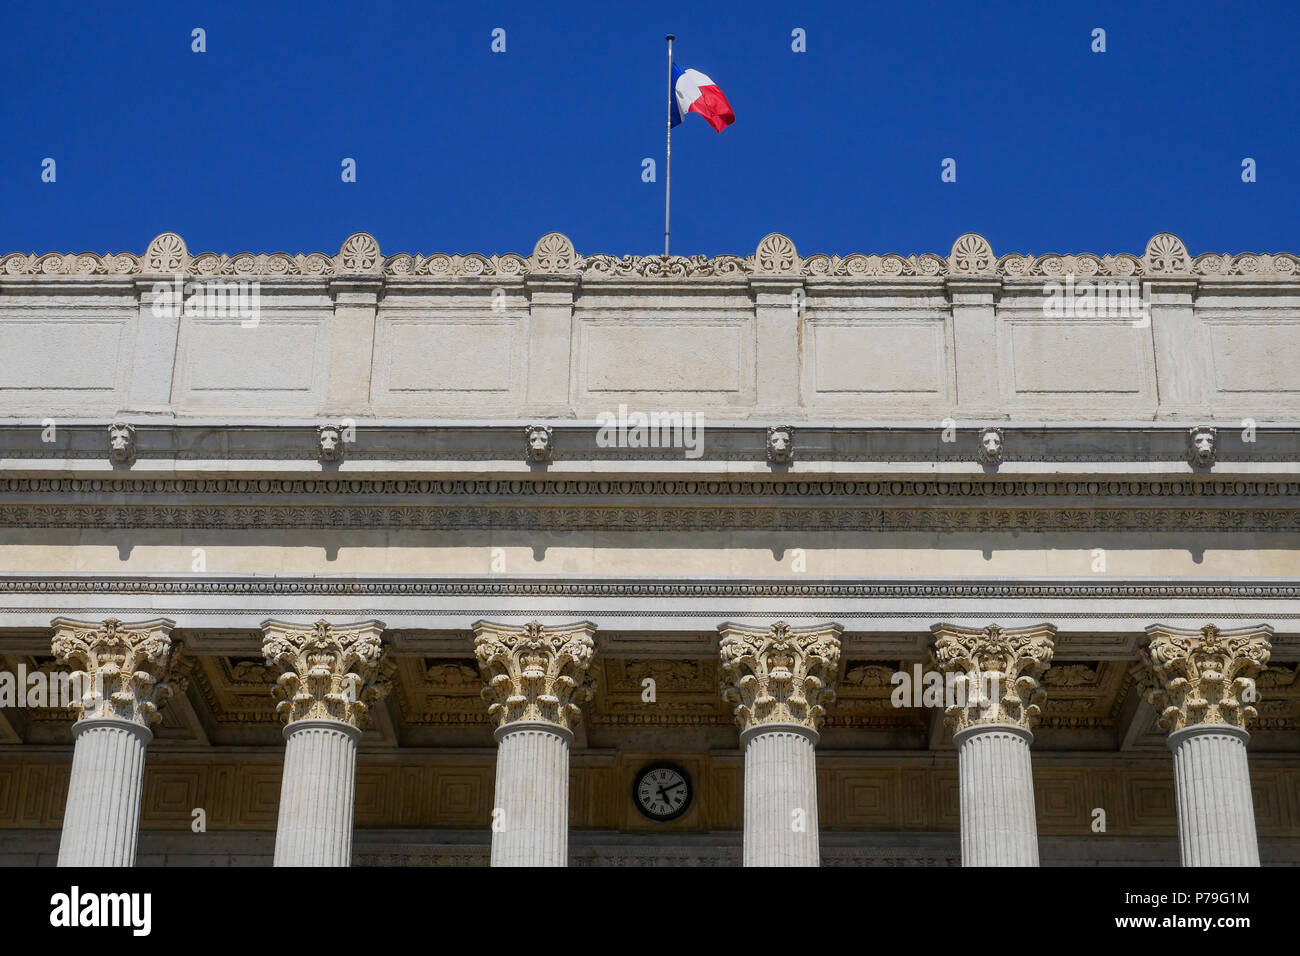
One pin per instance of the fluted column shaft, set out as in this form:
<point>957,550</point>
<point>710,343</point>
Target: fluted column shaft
<point>1202,685</point>
<point>123,673</point>
<point>780,679</point>
<point>317,792</point>
<point>101,823</point>
<point>1216,811</point>
<point>330,676</point>
<point>780,796</point>
<point>995,699</point>
<point>536,677</point>
<point>530,813</point>
<point>998,825</point>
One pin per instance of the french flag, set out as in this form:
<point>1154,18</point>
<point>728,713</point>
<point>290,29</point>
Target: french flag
<point>693,92</point>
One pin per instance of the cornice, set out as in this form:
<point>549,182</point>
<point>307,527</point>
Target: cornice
<point>1165,257</point>
<point>964,491</point>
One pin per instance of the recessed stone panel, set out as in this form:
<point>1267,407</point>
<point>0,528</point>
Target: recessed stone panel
<point>281,363</point>
<point>1073,358</point>
<point>1245,356</point>
<point>433,360</point>
<point>878,357</point>
<point>664,358</point>
<point>53,361</point>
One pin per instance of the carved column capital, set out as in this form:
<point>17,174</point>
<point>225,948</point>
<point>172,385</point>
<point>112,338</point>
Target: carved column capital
<point>534,672</point>
<point>998,670</point>
<point>123,671</point>
<point>782,675</point>
<point>326,672</point>
<point>1204,677</point>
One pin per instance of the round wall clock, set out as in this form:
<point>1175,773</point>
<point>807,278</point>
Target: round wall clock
<point>662,791</point>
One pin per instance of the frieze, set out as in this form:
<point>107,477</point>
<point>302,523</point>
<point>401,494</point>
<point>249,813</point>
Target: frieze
<point>702,614</point>
<point>554,255</point>
<point>1196,487</point>
<point>640,519</point>
<point>415,587</point>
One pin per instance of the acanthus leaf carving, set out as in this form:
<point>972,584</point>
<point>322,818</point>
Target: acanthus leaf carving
<point>327,672</point>
<point>123,671</point>
<point>1204,677</point>
<point>998,671</point>
<point>781,675</point>
<point>535,672</point>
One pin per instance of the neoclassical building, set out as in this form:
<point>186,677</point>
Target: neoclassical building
<point>558,559</point>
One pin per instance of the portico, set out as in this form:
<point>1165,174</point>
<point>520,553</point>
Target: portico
<point>388,577</point>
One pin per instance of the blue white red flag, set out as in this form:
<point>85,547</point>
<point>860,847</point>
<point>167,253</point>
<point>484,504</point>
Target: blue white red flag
<point>693,92</point>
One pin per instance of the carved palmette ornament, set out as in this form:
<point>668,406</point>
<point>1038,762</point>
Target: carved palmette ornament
<point>776,255</point>
<point>1166,255</point>
<point>972,255</point>
<point>359,255</point>
<point>326,672</point>
<point>1206,676</point>
<point>554,254</point>
<point>535,672</point>
<point>998,670</point>
<point>166,254</point>
<point>781,675</point>
<point>122,671</point>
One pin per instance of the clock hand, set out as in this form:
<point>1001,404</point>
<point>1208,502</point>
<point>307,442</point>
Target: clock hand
<point>663,791</point>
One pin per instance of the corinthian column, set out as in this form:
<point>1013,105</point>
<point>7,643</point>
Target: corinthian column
<point>996,689</point>
<point>122,674</point>
<point>780,680</point>
<point>1202,685</point>
<point>536,677</point>
<point>329,678</point>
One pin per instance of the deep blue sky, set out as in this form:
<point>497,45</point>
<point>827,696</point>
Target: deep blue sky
<point>1058,149</point>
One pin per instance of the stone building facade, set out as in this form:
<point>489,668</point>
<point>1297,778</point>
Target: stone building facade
<point>553,558</point>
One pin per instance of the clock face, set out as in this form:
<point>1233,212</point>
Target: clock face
<point>662,791</point>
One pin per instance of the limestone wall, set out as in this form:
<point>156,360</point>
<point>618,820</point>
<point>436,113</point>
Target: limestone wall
<point>560,335</point>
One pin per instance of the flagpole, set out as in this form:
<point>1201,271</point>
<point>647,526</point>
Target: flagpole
<point>668,170</point>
